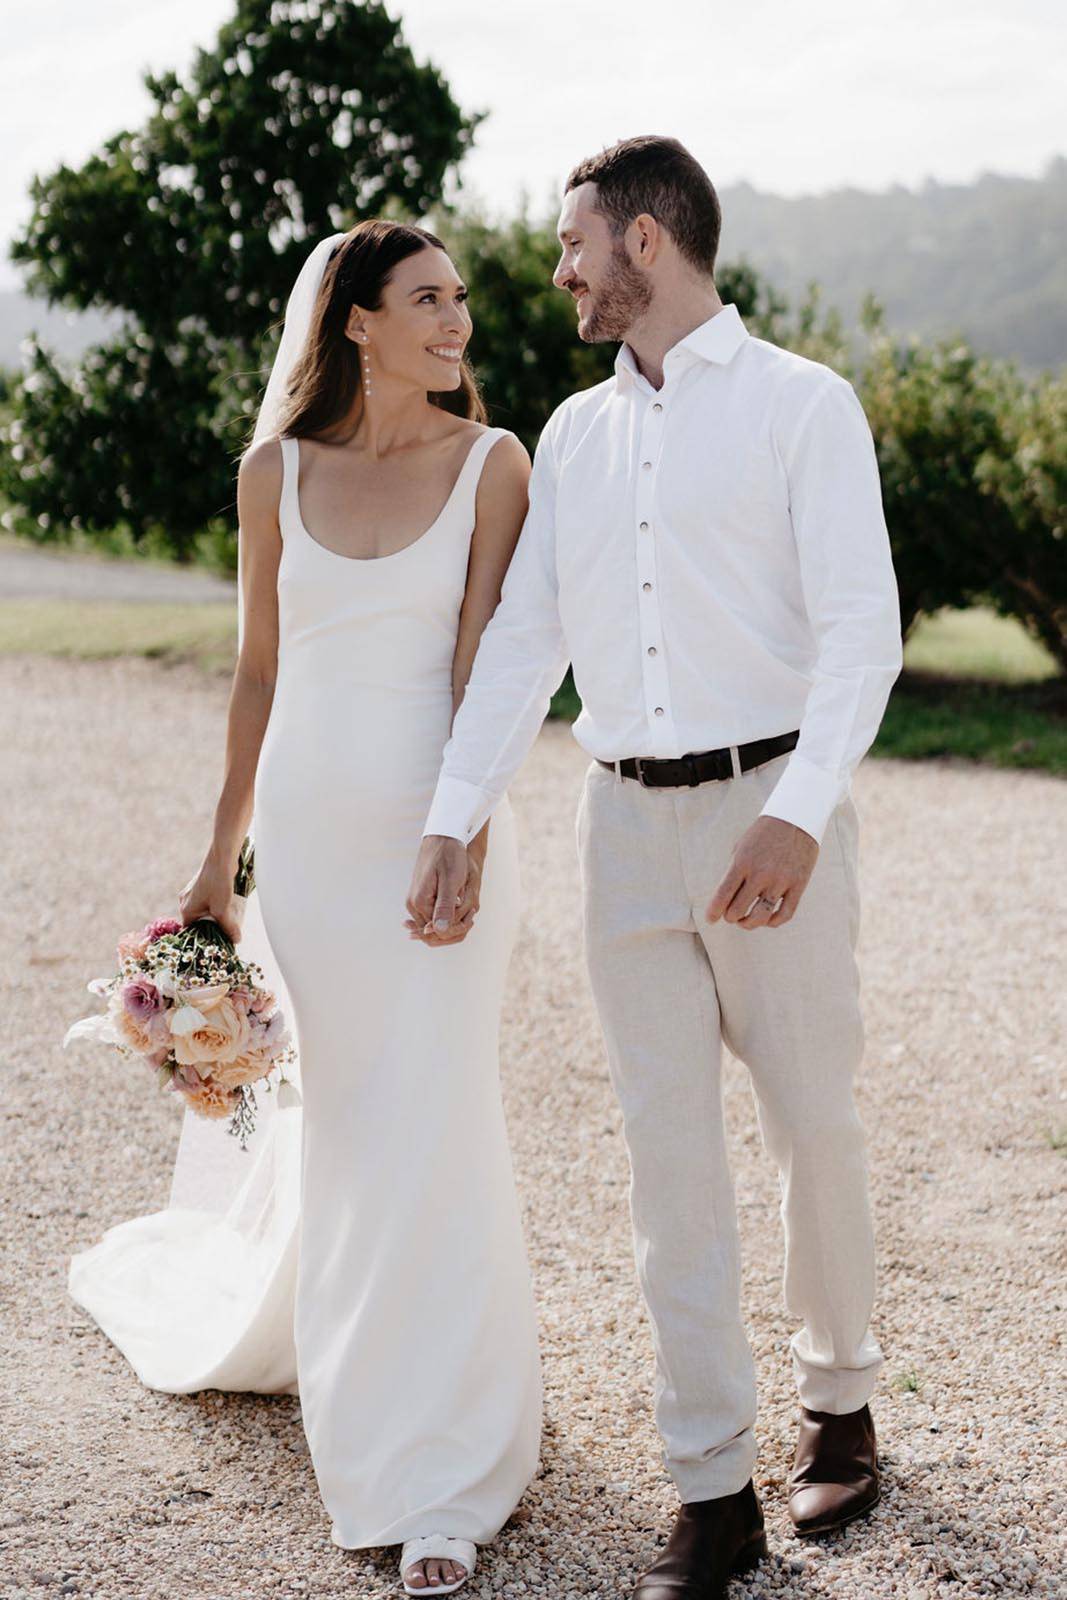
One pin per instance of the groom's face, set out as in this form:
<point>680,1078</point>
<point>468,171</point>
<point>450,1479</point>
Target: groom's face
<point>597,270</point>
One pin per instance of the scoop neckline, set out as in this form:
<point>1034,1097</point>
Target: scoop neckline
<point>370,561</point>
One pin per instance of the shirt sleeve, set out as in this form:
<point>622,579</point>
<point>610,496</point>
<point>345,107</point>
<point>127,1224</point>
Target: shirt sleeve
<point>851,599</point>
<point>521,661</point>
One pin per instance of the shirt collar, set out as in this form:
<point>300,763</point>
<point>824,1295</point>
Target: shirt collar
<point>716,340</point>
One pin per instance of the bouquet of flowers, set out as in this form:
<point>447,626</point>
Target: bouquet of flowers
<point>185,1004</point>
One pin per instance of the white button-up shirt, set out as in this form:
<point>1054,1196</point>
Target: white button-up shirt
<point>712,558</point>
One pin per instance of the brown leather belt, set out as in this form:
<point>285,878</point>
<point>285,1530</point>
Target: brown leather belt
<point>701,766</point>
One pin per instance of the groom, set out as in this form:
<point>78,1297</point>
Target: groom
<point>706,544</point>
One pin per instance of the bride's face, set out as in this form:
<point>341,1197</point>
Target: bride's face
<point>421,330</point>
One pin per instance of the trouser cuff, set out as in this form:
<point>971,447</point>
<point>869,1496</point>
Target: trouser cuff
<point>726,1472</point>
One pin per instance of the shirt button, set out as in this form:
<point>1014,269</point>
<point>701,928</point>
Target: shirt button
<point>657,406</point>
<point>659,711</point>
<point>646,465</point>
<point>651,649</point>
<point>646,586</point>
<point>643,526</point>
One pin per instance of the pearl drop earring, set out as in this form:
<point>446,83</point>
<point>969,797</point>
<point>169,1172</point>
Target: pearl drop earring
<point>366,370</point>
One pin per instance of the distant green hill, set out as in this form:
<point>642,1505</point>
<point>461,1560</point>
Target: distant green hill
<point>986,259</point>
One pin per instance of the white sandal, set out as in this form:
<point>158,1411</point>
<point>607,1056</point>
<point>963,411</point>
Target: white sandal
<point>437,1547</point>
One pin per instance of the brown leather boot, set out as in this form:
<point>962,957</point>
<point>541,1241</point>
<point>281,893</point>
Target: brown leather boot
<point>835,1470</point>
<point>712,1539</point>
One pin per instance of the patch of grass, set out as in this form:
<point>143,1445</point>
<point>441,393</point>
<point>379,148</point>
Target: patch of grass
<point>976,685</point>
<point>1006,725</point>
<point>201,632</point>
<point>214,550</point>
<point>1056,1139</point>
<point>1012,723</point>
<point>977,644</point>
<point>907,1381</point>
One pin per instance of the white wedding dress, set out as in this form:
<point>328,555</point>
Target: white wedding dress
<point>366,1252</point>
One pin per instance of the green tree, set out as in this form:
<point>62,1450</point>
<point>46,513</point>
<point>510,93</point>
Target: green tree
<point>1028,474</point>
<point>301,119</point>
<point>936,412</point>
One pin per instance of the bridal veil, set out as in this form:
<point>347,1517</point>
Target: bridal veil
<point>200,1295</point>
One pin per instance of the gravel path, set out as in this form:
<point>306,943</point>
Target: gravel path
<point>113,1491</point>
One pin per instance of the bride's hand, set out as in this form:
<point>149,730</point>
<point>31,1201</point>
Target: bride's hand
<point>426,887</point>
<point>469,904</point>
<point>209,893</point>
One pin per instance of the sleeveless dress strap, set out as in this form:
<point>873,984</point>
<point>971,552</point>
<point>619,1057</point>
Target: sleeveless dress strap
<point>289,501</point>
<point>471,471</point>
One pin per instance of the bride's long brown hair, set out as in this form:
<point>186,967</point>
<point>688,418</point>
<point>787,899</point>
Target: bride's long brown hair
<point>326,380</point>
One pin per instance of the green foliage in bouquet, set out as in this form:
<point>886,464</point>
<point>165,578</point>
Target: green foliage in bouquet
<point>244,880</point>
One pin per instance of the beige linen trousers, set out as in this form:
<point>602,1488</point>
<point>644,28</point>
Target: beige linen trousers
<point>670,987</point>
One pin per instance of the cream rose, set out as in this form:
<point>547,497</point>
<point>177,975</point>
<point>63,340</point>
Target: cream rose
<point>221,1034</point>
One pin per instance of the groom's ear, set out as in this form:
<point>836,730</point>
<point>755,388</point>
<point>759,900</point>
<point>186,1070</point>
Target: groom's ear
<point>648,236</point>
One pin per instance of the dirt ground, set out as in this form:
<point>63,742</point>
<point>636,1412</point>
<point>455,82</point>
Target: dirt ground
<point>111,1490</point>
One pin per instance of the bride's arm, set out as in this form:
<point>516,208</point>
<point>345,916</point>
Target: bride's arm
<point>499,512</point>
<point>259,479</point>
<point>500,508</point>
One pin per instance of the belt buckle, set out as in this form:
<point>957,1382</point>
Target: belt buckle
<point>639,772</point>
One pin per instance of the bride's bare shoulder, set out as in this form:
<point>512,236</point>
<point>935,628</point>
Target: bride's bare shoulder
<point>259,487</point>
<point>502,487</point>
<point>508,457</point>
<point>259,476</point>
<point>261,464</point>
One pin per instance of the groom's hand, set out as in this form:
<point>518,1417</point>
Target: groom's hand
<point>437,891</point>
<point>772,863</point>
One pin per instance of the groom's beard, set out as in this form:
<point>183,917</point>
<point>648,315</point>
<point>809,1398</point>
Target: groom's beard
<point>620,300</point>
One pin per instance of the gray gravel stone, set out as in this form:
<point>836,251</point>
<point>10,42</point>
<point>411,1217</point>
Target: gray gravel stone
<point>113,1492</point>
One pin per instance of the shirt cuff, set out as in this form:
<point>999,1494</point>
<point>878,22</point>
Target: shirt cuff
<point>805,795</point>
<point>458,810</point>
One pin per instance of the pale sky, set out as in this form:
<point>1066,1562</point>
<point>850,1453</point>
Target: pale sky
<point>794,98</point>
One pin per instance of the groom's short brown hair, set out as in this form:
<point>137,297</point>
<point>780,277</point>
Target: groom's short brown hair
<point>657,175</point>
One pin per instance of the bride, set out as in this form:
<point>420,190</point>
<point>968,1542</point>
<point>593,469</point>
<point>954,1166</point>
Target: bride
<point>369,1256</point>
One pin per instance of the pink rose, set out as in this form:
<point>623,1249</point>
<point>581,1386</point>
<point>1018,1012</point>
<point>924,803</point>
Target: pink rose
<point>242,997</point>
<point>270,1034</point>
<point>155,930</point>
<point>131,947</point>
<point>136,1033</point>
<point>262,1000</point>
<point>141,998</point>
